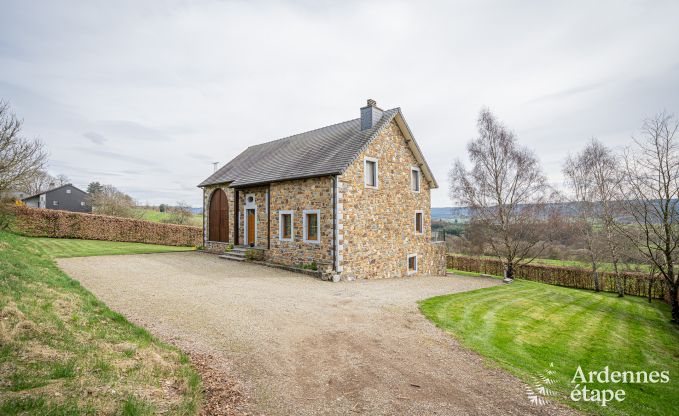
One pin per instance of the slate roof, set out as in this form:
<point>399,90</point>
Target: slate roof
<point>325,151</point>
<point>54,189</point>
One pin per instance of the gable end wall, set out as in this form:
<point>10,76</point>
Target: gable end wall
<point>378,225</point>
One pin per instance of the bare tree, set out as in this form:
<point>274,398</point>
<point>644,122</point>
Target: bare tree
<point>38,182</point>
<point>179,214</point>
<point>605,169</point>
<point>506,192</point>
<point>651,172</point>
<point>111,201</point>
<point>580,181</point>
<point>62,179</point>
<point>20,158</point>
<point>593,176</point>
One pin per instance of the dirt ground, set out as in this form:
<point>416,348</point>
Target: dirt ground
<point>298,345</point>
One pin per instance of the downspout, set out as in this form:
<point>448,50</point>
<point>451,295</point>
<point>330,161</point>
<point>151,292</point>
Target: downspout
<point>334,223</point>
<point>268,218</point>
<point>204,239</point>
<point>235,216</point>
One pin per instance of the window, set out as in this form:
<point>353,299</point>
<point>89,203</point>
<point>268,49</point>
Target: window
<point>311,226</point>
<point>419,222</point>
<point>412,263</point>
<point>370,168</point>
<point>82,203</point>
<point>68,191</point>
<point>285,225</point>
<point>55,203</point>
<point>415,179</point>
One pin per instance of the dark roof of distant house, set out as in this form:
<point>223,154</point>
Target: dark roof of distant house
<point>325,151</point>
<point>54,189</point>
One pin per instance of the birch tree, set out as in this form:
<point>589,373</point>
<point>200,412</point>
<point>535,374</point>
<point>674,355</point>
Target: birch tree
<point>506,191</point>
<point>651,186</point>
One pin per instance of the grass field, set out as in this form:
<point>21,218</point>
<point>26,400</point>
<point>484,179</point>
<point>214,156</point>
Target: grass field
<point>63,352</point>
<point>63,247</point>
<point>196,220</point>
<point>525,326</point>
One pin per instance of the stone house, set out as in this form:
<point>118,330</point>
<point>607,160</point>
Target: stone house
<point>352,199</point>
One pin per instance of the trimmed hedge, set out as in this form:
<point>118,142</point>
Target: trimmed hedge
<point>636,284</point>
<point>39,222</point>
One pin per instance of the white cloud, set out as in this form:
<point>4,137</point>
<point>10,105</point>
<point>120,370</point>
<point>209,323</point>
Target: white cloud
<point>145,95</point>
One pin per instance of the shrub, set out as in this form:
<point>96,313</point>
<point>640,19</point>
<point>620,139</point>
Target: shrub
<point>254,254</point>
<point>37,222</point>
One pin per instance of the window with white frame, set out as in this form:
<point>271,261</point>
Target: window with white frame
<point>68,191</point>
<point>370,172</point>
<point>311,223</point>
<point>55,203</point>
<point>82,203</point>
<point>412,263</point>
<point>419,222</point>
<point>285,231</point>
<point>415,179</point>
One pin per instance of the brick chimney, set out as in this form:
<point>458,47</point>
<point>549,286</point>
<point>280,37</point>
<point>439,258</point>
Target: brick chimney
<point>370,115</point>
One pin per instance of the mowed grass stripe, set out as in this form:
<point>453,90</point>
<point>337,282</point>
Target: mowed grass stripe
<point>526,325</point>
<point>63,247</point>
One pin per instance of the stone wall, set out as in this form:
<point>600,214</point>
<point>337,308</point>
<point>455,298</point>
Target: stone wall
<point>378,225</point>
<point>216,246</point>
<point>297,196</point>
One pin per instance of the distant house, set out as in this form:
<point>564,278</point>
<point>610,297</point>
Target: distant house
<point>65,197</point>
<point>351,198</point>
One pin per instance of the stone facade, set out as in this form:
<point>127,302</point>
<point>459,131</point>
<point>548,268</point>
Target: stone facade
<point>298,196</point>
<point>217,246</point>
<point>378,224</point>
<point>372,229</point>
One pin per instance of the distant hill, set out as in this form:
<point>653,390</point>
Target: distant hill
<point>461,214</point>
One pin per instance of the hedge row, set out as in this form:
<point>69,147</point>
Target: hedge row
<point>637,284</point>
<point>37,222</point>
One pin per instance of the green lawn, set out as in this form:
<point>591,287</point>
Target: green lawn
<point>63,247</point>
<point>196,220</point>
<point>525,326</point>
<point>63,352</point>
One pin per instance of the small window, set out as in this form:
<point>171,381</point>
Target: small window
<point>419,226</point>
<point>82,203</point>
<point>55,203</point>
<point>285,225</point>
<point>370,166</point>
<point>412,263</point>
<point>415,179</point>
<point>311,226</point>
<point>68,191</point>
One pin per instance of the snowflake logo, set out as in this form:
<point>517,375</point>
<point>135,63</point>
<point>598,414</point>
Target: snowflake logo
<point>541,387</point>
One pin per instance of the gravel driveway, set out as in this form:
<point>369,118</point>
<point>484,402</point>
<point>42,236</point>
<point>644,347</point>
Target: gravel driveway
<point>304,346</point>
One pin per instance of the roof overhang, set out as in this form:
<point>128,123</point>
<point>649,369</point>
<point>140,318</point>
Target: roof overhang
<point>412,144</point>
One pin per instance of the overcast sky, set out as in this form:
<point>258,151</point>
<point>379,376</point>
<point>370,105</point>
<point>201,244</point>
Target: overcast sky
<point>145,95</point>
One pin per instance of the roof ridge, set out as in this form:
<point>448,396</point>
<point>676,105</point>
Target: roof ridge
<point>319,128</point>
<point>304,132</point>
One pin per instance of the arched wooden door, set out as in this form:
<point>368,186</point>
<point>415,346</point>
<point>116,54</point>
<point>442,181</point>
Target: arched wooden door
<point>218,220</point>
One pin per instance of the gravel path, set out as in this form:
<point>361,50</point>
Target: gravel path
<point>303,346</point>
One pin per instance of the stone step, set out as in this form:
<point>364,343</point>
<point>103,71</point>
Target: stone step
<point>230,256</point>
